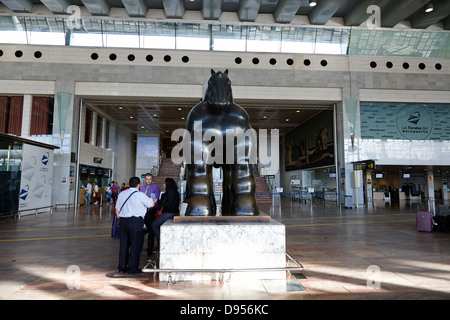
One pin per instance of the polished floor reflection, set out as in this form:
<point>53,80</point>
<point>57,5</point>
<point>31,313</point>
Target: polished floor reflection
<point>353,254</point>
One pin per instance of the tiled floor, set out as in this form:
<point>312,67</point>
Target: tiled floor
<point>353,254</point>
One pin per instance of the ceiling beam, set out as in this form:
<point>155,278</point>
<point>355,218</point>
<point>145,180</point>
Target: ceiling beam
<point>174,8</point>
<point>19,5</point>
<point>248,10</point>
<point>135,8</point>
<point>211,9</point>
<point>97,7</point>
<point>286,10</point>
<point>323,11</point>
<point>423,19</point>
<point>446,22</point>
<point>358,13</point>
<point>397,11</point>
<point>56,6</point>
<point>230,5</point>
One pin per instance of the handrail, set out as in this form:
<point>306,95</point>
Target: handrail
<point>223,270</point>
<point>35,209</point>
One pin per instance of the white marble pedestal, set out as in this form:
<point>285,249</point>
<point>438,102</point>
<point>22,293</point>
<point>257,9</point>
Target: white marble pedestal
<point>234,245</point>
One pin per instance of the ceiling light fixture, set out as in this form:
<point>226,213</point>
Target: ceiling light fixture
<point>312,3</point>
<point>429,7</point>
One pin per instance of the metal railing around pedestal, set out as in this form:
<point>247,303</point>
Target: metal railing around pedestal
<point>151,266</point>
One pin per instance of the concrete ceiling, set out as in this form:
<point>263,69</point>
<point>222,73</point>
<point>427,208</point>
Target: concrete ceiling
<point>151,117</point>
<point>348,12</point>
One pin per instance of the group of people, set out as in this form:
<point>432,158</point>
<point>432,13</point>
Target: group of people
<point>138,209</point>
<point>112,191</point>
<point>88,191</point>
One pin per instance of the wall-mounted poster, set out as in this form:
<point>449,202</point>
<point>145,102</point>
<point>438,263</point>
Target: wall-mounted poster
<point>311,144</point>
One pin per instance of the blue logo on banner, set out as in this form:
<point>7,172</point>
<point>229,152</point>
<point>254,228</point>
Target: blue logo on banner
<point>23,194</point>
<point>44,160</point>
<point>414,122</point>
<point>414,117</point>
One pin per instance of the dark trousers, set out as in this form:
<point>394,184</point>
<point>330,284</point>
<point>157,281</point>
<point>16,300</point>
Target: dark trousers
<point>148,220</point>
<point>132,234</point>
<point>156,226</point>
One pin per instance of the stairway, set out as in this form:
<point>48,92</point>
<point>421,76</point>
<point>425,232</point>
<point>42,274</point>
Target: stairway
<point>167,170</point>
<point>262,191</point>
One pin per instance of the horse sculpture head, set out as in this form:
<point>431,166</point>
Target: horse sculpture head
<point>218,92</point>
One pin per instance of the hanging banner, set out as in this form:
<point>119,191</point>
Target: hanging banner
<point>351,107</point>
<point>36,178</point>
<point>63,99</point>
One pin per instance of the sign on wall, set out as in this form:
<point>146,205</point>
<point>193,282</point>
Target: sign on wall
<point>400,121</point>
<point>36,178</point>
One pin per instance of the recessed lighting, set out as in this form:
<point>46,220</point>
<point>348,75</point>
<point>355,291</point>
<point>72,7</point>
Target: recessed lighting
<point>155,115</point>
<point>142,127</point>
<point>429,7</point>
<point>298,111</point>
<point>182,118</point>
<point>131,117</point>
<point>179,109</point>
<point>120,108</point>
<point>312,3</point>
<point>287,120</point>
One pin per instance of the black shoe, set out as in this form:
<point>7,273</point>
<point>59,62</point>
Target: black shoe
<point>136,272</point>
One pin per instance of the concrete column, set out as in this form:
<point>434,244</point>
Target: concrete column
<point>368,182</point>
<point>444,188</point>
<point>61,193</point>
<point>430,184</point>
<point>26,114</point>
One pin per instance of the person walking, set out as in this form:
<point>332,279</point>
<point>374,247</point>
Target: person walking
<point>115,190</point>
<point>131,207</point>
<point>87,194</point>
<point>95,194</point>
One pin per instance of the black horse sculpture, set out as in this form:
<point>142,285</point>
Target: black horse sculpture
<point>218,113</point>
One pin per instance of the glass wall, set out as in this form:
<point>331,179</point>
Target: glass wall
<point>172,35</point>
<point>400,43</point>
<point>10,174</point>
<point>223,37</point>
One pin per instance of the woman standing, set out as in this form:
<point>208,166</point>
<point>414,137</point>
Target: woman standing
<point>170,201</point>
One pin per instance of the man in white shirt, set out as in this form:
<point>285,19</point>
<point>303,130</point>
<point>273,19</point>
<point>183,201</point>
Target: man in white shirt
<point>88,191</point>
<point>131,208</point>
<point>95,196</point>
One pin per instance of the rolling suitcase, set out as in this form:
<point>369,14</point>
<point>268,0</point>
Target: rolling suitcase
<point>424,221</point>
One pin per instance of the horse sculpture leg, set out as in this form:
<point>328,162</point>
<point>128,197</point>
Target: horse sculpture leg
<point>200,197</point>
<point>243,191</point>
<point>227,196</point>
